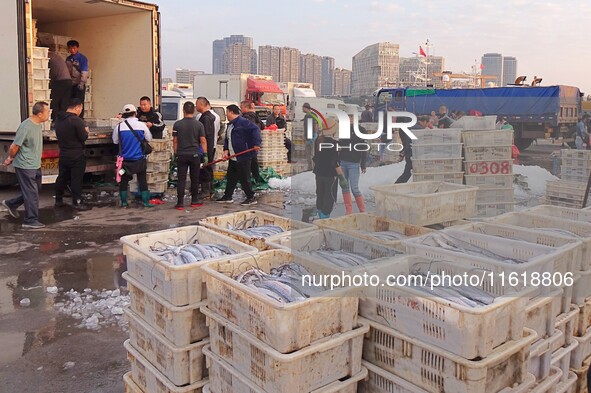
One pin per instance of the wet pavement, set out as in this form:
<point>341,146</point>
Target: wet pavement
<point>76,251</point>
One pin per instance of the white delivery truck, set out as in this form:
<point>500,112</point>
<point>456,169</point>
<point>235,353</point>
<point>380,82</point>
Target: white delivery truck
<point>292,91</point>
<point>121,39</point>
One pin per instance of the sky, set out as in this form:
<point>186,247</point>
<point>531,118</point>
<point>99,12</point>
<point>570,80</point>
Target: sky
<point>547,37</point>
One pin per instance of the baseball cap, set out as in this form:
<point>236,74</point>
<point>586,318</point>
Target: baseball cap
<point>129,108</point>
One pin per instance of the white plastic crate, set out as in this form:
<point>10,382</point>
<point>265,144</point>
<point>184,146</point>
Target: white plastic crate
<point>181,365</point>
<point>547,200</point>
<point>487,138</point>
<point>488,153</point>
<point>566,323</point>
<point>581,287</point>
<point>540,313</point>
<point>581,373</point>
<point>544,221</point>
<point>436,370</point>
<point>565,189</point>
<point>149,379</point>
<point>495,196</point>
<point>437,136</point>
<point>305,370</point>
<point>584,319</point>
<point>285,327</point>
<point>561,359</point>
<point>489,181</point>
<point>469,332</point>
<point>159,156</point>
<point>40,52</point>
<point>539,258</point>
<point>540,356</point>
<point>548,384</point>
<point>489,167</point>
<point>222,222</point>
<point>580,174</point>
<point>178,285</point>
<point>437,165</point>
<point>563,213</point>
<point>582,352</point>
<point>161,145</point>
<point>361,225</point>
<point>40,73</point>
<point>154,188</point>
<point>40,63</point>
<point>156,177</point>
<point>40,84</point>
<point>436,150</point>
<point>574,178</point>
<point>484,210</point>
<point>130,386</point>
<point>576,154</point>
<point>41,95</point>
<point>425,203</point>
<point>576,163</point>
<point>381,381</point>
<point>162,166</point>
<point>226,379</point>
<point>181,325</point>
<point>452,177</point>
<point>476,123</point>
<point>568,386</point>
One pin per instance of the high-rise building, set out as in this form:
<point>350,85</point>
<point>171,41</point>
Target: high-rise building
<point>492,64</point>
<point>342,82</point>
<point>410,67</point>
<point>269,63</point>
<point>184,75</point>
<point>238,58</point>
<point>283,64</point>
<point>219,49</point>
<point>509,70</point>
<point>327,76</point>
<point>375,66</point>
<point>311,71</point>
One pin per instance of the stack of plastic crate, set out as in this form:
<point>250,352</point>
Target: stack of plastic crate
<point>39,80</point>
<point>88,108</point>
<point>158,167</point>
<point>437,155</point>
<point>167,331</point>
<point>569,191</point>
<point>258,344</point>
<point>489,166</point>
<point>273,153</point>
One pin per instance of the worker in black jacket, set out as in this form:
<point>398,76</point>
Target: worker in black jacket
<point>248,112</point>
<point>71,133</point>
<point>147,114</point>
<point>207,119</point>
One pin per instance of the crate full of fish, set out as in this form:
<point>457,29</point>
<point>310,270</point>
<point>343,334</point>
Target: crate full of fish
<point>169,262</point>
<point>425,203</point>
<point>499,255</point>
<point>470,320</point>
<point>149,379</point>
<point>225,378</point>
<point>180,325</point>
<point>305,370</point>
<point>543,219</point>
<point>253,226</point>
<point>373,228</point>
<point>436,370</point>
<point>264,295</point>
<point>181,365</point>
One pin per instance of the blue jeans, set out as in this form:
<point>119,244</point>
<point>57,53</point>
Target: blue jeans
<point>351,171</point>
<point>29,181</point>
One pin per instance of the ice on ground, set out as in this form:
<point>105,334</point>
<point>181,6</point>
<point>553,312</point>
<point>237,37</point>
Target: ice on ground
<point>25,302</point>
<point>536,178</point>
<point>52,290</point>
<point>68,365</point>
<point>95,309</point>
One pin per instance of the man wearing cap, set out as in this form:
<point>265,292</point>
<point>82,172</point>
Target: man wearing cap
<point>128,135</point>
<point>78,66</point>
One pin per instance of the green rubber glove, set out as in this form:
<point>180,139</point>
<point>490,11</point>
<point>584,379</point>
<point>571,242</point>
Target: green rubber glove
<point>205,159</point>
<point>343,182</point>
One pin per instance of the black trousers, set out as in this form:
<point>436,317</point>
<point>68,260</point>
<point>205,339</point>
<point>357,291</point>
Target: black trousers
<point>255,170</point>
<point>326,193</point>
<point>29,180</point>
<point>287,145</point>
<point>60,96</point>
<point>71,171</point>
<point>139,167</point>
<point>77,93</point>
<point>407,171</point>
<point>191,163</point>
<point>238,171</point>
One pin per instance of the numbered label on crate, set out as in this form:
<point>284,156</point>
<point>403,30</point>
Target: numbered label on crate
<point>489,167</point>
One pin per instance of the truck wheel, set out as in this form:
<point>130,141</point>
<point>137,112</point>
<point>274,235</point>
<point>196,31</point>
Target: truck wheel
<point>7,179</point>
<point>523,143</point>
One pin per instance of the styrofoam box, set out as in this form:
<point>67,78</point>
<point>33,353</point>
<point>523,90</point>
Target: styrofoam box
<point>489,181</point>
<point>178,285</point>
<point>285,327</point>
<point>181,325</point>
<point>305,370</point>
<point>538,258</point>
<point>566,323</point>
<point>476,123</point>
<point>181,365</point>
<point>221,224</point>
<point>487,153</point>
<point>451,177</point>
<point>489,167</point>
<point>469,332</point>
<point>226,379</point>
<point>436,150</point>
<point>437,165</point>
<point>495,196</point>
<point>540,356</point>
<point>543,220</point>
<point>436,370</point>
<point>582,352</point>
<point>561,359</point>
<point>425,203</point>
<point>584,320</point>
<point>362,225</point>
<point>149,379</point>
<point>437,136</point>
<point>569,386</point>
<point>487,138</point>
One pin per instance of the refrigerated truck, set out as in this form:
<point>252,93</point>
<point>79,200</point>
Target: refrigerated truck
<point>121,39</point>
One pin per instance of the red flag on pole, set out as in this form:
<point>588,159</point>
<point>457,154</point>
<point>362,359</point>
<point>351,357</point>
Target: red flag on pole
<point>422,52</point>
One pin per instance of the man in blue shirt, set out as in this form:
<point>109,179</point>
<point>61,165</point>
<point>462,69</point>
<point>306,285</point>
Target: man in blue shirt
<point>78,66</point>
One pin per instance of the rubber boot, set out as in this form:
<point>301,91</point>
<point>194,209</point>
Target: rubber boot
<point>360,203</point>
<point>348,202</point>
<point>123,196</point>
<point>146,199</point>
<point>322,215</point>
